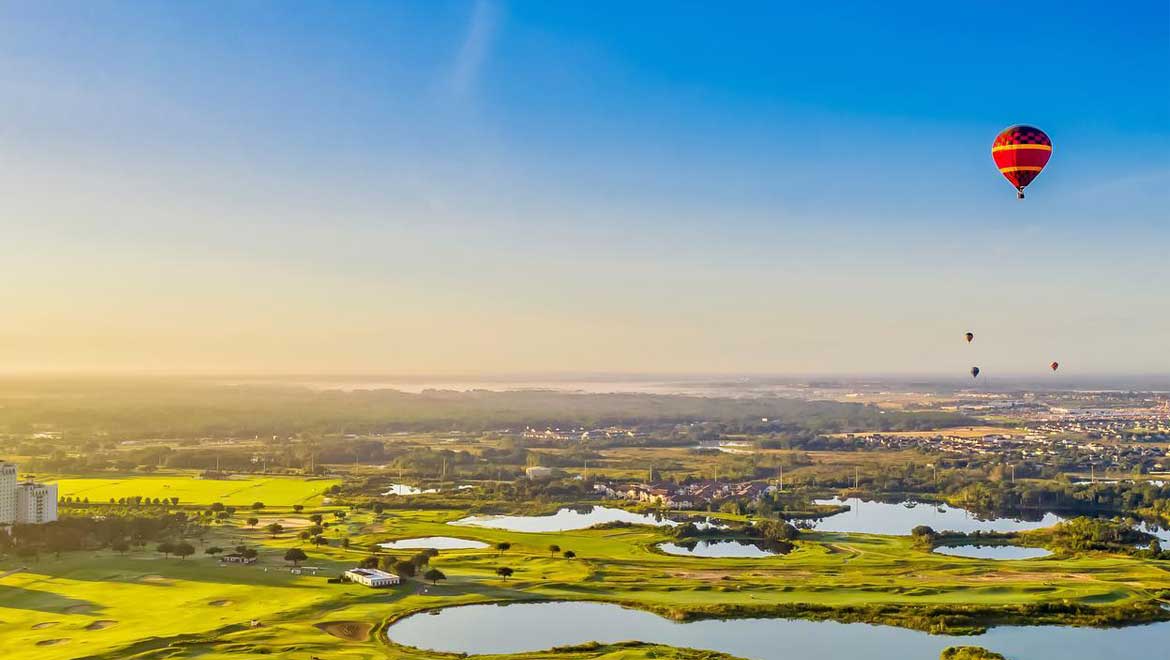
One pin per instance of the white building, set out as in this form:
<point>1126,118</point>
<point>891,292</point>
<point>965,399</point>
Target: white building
<point>372,577</point>
<point>25,502</point>
<point>7,493</point>
<point>36,503</point>
<point>540,472</point>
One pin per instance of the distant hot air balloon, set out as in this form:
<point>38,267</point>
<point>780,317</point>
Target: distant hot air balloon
<point>1020,152</point>
<point>1055,365</point>
<point>974,372</point>
<point>970,336</point>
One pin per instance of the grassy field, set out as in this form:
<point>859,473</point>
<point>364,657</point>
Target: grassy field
<point>107,606</point>
<point>272,491</point>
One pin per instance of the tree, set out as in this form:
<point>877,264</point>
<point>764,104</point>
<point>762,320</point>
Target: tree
<point>305,535</point>
<point>345,543</point>
<point>274,528</point>
<point>503,546</point>
<point>569,554</point>
<point>404,568</point>
<point>295,555</point>
<point>340,515</point>
<point>320,540</point>
<point>174,501</point>
<point>120,546</point>
<point>213,550</point>
<point>166,547</point>
<point>553,549</point>
<point>183,549</point>
<point>249,553</point>
<point>504,572</point>
<point>297,508</point>
<point>434,575</point>
<point>316,518</point>
<point>385,562</point>
<point>252,522</point>
<point>368,562</point>
<point>257,506</point>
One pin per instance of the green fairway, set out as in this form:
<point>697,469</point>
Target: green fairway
<point>107,606</point>
<point>272,491</point>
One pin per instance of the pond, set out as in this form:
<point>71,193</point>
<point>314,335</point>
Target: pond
<point>992,551</point>
<point>404,489</point>
<point>719,548</point>
<point>564,520</point>
<point>899,519</point>
<point>436,542</point>
<point>529,627</point>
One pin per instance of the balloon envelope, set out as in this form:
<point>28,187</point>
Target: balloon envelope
<point>1020,152</point>
<point>970,336</point>
<point>974,372</point>
<point>1054,365</point>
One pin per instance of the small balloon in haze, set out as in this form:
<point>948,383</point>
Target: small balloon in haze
<point>974,372</point>
<point>1055,365</point>
<point>1020,152</point>
<point>970,337</point>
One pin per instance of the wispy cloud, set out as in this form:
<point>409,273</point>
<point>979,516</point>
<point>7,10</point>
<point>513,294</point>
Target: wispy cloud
<point>481,30</point>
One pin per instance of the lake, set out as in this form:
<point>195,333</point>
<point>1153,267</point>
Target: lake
<point>564,520</point>
<point>436,542</point>
<point>899,519</point>
<point>718,548</point>
<point>992,551</point>
<point>530,627</point>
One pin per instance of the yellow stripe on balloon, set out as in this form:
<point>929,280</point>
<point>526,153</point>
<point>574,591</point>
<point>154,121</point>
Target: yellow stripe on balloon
<point>1013,147</point>
<point>1021,168</point>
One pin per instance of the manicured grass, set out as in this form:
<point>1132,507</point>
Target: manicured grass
<point>163,607</point>
<point>272,491</point>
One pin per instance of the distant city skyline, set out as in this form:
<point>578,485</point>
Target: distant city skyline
<point>492,187</point>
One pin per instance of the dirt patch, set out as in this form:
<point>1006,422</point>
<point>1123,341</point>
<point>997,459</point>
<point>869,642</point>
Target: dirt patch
<point>46,624</point>
<point>52,642</point>
<point>77,609</point>
<point>101,624</point>
<point>351,631</point>
<point>158,579</point>
<point>287,523</point>
<point>220,603</point>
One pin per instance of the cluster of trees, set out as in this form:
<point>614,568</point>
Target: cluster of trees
<point>408,567</point>
<point>118,531</point>
<point>1085,534</point>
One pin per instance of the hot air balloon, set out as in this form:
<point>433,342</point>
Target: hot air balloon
<point>1020,152</point>
<point>970,336</point>
<point>1055,365</point>
<point>974,372</point>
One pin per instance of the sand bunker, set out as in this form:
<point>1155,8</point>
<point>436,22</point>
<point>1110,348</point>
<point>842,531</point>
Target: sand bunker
<point>220,603</point>
<point>352,631</point>
<point>287,523</point>
<point>52,642</point>
<point>101,624</point>
<point>153,578</point>
<point>46,624</point>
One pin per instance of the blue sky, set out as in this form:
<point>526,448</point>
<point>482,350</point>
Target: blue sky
<point>494,186</point>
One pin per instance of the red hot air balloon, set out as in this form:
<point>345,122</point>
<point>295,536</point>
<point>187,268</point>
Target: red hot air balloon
<point>1055,366</point>
<point>1020,152</point>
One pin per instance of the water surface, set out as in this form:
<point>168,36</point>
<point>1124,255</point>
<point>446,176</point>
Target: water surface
<point>992,551</point>
<point>718,548</point>
<point>537,626</point>
<point>436,542</point>
<point>564,520</point>
<point>899,519</point>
